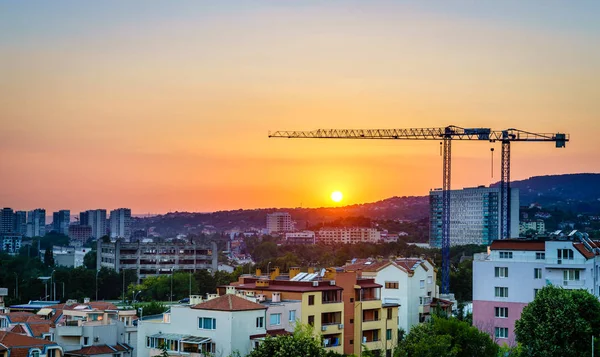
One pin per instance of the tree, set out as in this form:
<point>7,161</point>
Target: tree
<point>48,257</point>
<point>446,337</point>
<point>302,343</point>
<point>89,260</point>
<point>559,322</point>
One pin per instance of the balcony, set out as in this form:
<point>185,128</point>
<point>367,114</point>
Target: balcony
<point>69,330</point>
<point>567,283</point>
<point>553,263</point>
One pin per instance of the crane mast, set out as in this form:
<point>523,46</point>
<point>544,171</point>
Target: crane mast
<point>446,135</point>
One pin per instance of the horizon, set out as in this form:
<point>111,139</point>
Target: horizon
<point>162,107</point>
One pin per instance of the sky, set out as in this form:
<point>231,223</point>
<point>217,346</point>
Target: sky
<point>166,106</point>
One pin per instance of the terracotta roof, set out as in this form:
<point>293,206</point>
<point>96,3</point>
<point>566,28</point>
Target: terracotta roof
<point>582,249</point>
<point>19,352</point>
<point>277,332</point>
<point>518,244</point>
<point>98,305</point>
<point>93,350</point>
<point>11,340</point>
<point>369,265</point>
<point>38,329</point>
<point>229,302</point>
<point>21,316</point>
<point>289,288</point>
<point>368,284</point>
<point>18,329</point>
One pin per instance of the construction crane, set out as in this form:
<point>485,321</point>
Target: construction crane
<point>446,135</point>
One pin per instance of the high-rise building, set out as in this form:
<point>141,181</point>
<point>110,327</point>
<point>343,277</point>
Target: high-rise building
<point>20,222</point>
<point>120,223</point>
<point>36,223</point>
<point>475,215</point>
<point>61,221</point>
<point>7,220</point>
<point>95,219</point>
<point>79,233</point>
<point>279,222</point>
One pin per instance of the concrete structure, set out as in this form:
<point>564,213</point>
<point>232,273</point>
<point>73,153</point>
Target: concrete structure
<point>507,278</point>
<point>538,226</point>
<point>474,215</point>
<point>217,327</point>
<point>7,220</point>
<point>36,223</point>
<point>279,222</point>
<point>19,345</point>
<point>120,223</point>
<point>10,243</point>
<point>95,219</point>
<point>69,256</point>
<point>408,282</point>
<point>348,235</point>
<point>61,221</point>
<point>79,233</point>
<point>305,237</point>
<point>20,223</point>
<point>150,259</point>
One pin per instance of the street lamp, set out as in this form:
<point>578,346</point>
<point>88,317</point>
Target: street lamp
<point>269,269</point>
<point>135,295</point>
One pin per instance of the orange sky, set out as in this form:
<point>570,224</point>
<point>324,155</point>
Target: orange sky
<point>162,108</point>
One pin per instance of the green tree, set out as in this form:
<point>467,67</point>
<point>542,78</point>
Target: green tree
<point>302,343</point>
<point>559,322</point>
<point>153,308</point>
<point>48,257</point>
<point>89,260</point>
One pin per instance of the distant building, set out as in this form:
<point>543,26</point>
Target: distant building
<point>20,223</point>
<point>348,235</point>
<point>474,215</point>
<point>79,233</point>
<point>305,237</point>
<point>279,222</point>
<point>61,221</point>
<point>70,257</point>
<point>538,226</point>
<point>120,223</point>
<point>7,220</point>
<point>95,219</point>
<point>151,259</point>
<point>36,223</point>
<point>509,277</point>
<point>10,243</point>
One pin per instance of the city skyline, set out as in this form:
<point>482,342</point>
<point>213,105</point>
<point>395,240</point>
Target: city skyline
<point>167,108</point>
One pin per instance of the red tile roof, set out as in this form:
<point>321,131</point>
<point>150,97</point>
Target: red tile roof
<point>408,263</point>
<point>18,329</point>
<point>582,249</point>
<point>229,302</point>
<point>38,329</point>
<point>11,340</point>
<point>92,350</point>
<point>518,244</point>
<point>368,265</point>
<point>98,305</point>
<point>22,316</point>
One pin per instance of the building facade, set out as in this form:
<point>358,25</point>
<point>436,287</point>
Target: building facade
<point>17,344</point>
<point>10,243</point>
<point>348,235</point>
<point>475,215</point>
<point>507,278</point>
<point>36,223</point>
<point>7,220</point>
<point>279,222</point>
<point>305,237</point>
<point>120,223</point>
<point>95,219</point>
<point>20,223</point>
<point>61,221</point>
<point>151,259</point>
<point>80,233</point>
<point>526,226</point>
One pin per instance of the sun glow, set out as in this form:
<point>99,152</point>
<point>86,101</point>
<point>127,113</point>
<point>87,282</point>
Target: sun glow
<point>336,196</point>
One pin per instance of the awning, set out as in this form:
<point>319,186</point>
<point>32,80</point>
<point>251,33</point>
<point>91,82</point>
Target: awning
<point>45,312</point>
<point>183,338</point>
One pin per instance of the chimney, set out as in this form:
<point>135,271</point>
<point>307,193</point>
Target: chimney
<point>294,271</point>
<point>258,272</point>
<point>311,270</point>
<point>86,300</point>
<point>275,273</point>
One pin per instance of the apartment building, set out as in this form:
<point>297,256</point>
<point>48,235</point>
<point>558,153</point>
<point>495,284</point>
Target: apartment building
<point>79,234</point>
<point>279,222</point>
<point>475,213</point>
<point>216,327</point>
<point>10,243</point>
<point>20,223</point>
<point>19,345</point>
<point>539,226</point>
<point>71,257</point>
<point>61,221</point>
<point>508,277</point>
<point>305,237</point>
<point>150,259</point>
<point>408,282</point>
<point>95,219</point>
<point>344,307</point>
<point>7,220</point>
<point>348,235</point>
<point>36,223</point>
<point>120,223</point>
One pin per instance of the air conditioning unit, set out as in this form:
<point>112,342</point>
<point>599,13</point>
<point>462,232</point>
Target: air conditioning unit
<point>331,282</point>
<point>315,283</point>
<point>341,326</point>
<point>323,328</point>
<point>96,339</point>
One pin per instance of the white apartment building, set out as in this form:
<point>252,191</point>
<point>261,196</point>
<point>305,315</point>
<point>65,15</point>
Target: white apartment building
<point>475,215</point>
<point>538,226</point>
<point>409,282</point>
<point>120,223</point>
<point>508,277</point>
<point>279,222</point>
<point>217,327</point>
<point>305,237</point>
<point>348,235</point>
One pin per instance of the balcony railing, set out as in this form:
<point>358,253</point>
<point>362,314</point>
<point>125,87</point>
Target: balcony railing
<point>568,283</point>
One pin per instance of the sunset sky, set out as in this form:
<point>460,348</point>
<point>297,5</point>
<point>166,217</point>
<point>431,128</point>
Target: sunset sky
<point>166,105</point>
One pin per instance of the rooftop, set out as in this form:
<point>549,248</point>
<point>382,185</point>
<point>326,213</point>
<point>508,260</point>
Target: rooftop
<point>229,302</point>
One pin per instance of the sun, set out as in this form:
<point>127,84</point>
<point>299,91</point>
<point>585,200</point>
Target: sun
<point>336,196</point>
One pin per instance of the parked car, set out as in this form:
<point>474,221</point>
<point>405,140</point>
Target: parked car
<point>184,301</point>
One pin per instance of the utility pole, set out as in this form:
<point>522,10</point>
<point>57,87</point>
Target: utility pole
<point>97,271</point>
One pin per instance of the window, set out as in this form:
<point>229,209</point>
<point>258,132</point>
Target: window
<point>501,332</point>
<point>260,322</point>
<point>422,284</point>
<point>391,285</point>
<point>207,323</point>
<point>570,274</point>
<point>86,341</point>
<point>388,334</point>
<point>51,352</point>
<point>275,319</point>
<point>565,254</point>
<point>311,320</point>
<point>500,291</point>
<point>351,299</point>
<point>351,342</point>
<point>292,315</point>
<point>351,321</point>
<point>501,312</point>
<point>311,299</point>
<point>506,255</point>
<point>430,280</point>
<point>540,256</point>
<point>35,353</point>
<point>116,355</point>
<point>537,273</point>
<point>501,272</point>
<point>389,314</point>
